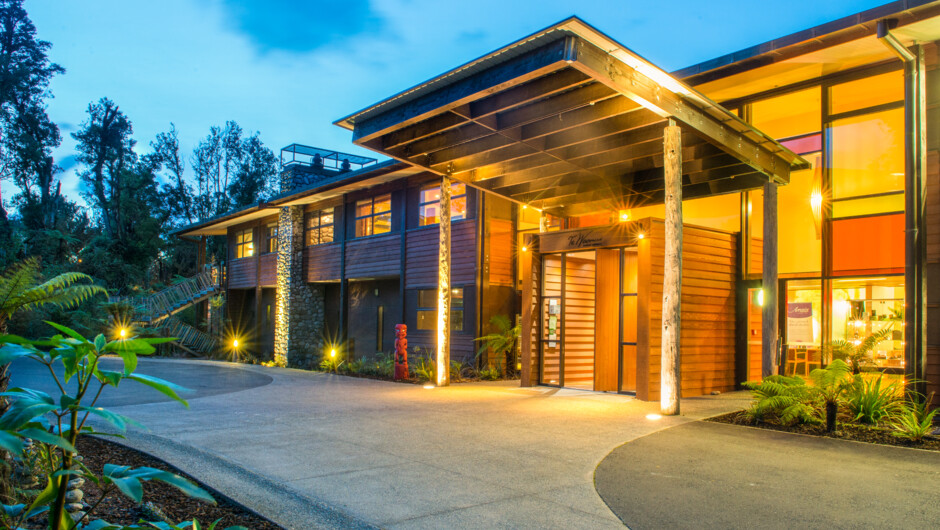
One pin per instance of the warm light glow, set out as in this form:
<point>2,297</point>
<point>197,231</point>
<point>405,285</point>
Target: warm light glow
<point>856,342</point>
<point>815,200</point>
<point>640,235</point>
<point>122,333</point>
<point>332,352</point>
<point>524,248</point>
<point>524,206</point>
<point>428,386</point>
<point>760,297</point>
<point>654,417</point>
<point>518,366</point>
<point>235,343</point>
<point>624,215</point>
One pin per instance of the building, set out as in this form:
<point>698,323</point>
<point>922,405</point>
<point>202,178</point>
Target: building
<point>810,212</point>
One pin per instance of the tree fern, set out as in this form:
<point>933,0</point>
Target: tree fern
<point>19,290</point>
<point>829,384</point>
<point>786,398</point>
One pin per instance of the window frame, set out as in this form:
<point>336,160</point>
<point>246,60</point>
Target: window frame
<point>240,244</point>
<point>454,328</point>
<point>319,227</point>
<point>424,204</point>
<point>372,215</point>
<point>270,238</point>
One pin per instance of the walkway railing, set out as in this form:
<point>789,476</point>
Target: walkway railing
<point>176,297</point>
<point>189,337</point>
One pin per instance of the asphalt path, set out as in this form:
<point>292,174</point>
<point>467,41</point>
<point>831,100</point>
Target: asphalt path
<point>710,475</point>
<point>199,380</point>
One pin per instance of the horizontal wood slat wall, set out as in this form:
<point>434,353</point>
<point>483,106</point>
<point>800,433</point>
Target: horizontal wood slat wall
<point>932,215</point>
<point>550,288</point>
<point>422,253</point>
<point>322,262</point>
<point>242,273</point>
<point>706,338</point>
<point>373,257</point>
<point>499,251</point>
<point>268,277</point>
<point>579,316</point>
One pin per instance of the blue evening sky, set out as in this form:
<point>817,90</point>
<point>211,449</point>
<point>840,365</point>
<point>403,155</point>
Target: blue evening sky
<point>288,69</point>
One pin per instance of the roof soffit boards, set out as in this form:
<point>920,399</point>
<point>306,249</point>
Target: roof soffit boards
<point>569,119</point>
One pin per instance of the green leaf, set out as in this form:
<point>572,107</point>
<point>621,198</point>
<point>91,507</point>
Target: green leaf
<point>68,331</point>
<point>159,340</point>
<point>20,414</point>
<point>10,352</point>
<point>100,342</point>
<point>113,418</point>
<point>46,496</point>
<point>136,346</point>
<point>99,524</point>
<point>48,438</point>
<point>11,443</point>
<point>129,486</point>
<point>165,387</point>
<point>109,377</point>
<point>13,510</point>
<point>188,488</point>
<point>66,401</point>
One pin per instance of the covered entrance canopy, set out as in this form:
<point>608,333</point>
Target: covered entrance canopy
<point>569,121</point>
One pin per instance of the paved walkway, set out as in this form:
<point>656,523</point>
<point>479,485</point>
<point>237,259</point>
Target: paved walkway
<point>312,449</point>
<point>709,475</point>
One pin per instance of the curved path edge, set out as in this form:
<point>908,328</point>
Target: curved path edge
<point>274,501</point>
<point>713,475</point>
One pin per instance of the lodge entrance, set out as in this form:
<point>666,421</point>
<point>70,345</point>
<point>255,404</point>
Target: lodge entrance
<point>588,320</point>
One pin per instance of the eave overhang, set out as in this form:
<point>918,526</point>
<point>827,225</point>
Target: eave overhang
<point>568,119</point>
<point>330,188</point>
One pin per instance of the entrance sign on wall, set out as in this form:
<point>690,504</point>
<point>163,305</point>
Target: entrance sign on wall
<point>800,322</point>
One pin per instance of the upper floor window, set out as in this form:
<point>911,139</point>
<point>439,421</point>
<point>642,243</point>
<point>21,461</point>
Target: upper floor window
<point>374,216</point>
<point>427,309</point>
<point>430,207</point>
<point>270,232</point>
<point>244,243</point>
<point>319,227</point>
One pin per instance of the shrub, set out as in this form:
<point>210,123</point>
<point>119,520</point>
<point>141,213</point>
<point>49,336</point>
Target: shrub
<point>355,367</point>
<point>331,364</point>
<point>425,368</point>
<point>829,385</point>
<point>915,419</point>
<point>870,402</point>
<point>787,399</point>
<point>490,373</point>
<point>55,424</point>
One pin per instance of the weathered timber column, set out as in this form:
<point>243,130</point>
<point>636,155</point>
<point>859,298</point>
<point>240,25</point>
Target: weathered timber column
<point>670,379</point>
<point>769,332</point>
<point>290,245</point>
<point>443,287</point>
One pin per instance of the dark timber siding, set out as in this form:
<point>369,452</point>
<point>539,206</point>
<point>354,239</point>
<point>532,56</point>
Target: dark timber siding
<point>374,256</point>
<point>242,273</point>
<point>268,270</point>
<point>422,255</point>
<point>322,262</point>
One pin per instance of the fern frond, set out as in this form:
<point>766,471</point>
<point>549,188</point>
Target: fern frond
<point>15,281</point>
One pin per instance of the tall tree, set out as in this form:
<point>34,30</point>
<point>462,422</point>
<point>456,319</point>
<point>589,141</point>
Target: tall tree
<point>177,192</point>
<point>106,148</point>
<point>255,174</point>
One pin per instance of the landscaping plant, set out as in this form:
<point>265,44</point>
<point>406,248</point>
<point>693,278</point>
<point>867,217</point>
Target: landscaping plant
<point>914,420</point>
<point>870,402</point>
<point>502,342</point>
<point>787,398</point>
<point>830,384</point>
<point>54,423</point>
<point>859,354</point>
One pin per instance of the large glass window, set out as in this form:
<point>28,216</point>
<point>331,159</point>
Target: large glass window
<point>319,227</point>
<point>803,327</point>
<point>799,210</point>
<point>867,158</point>
<point>867,92</point>
<point>430,207</point>
<point>374,216</point>
<point>244,244</point>
<point>427,309</point>
<point>789,115</point>
<point>869,307</point>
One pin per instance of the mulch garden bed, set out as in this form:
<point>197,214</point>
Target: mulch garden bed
<point>119,509</point>
<point>844,431</point>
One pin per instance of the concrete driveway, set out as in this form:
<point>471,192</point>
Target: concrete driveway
<point>310,449</point>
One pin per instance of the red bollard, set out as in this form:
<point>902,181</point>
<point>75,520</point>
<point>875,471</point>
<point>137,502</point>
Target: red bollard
<point>401,352</point>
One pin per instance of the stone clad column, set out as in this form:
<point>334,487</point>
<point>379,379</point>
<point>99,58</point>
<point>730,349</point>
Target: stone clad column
<point>443,288</point>
<point>290,283</point>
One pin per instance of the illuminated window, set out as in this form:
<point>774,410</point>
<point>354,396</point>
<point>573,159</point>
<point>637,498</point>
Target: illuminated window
<point>867,92</point>
<point>244,244</point>
<point>427,309</point>
<point>867,160</point>
<point>430,203</point>
<point>790,115</point>
<point>319,227</point>
<point>270,234</point>
<point>374,216</point>
<point>863,307</point>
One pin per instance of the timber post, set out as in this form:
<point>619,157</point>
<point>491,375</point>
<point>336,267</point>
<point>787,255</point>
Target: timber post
<point>670,381</point>
<point>443,286</point>
<point>769,313</point>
